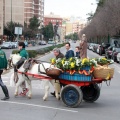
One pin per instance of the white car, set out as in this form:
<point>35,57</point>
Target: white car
<point>118,57</point>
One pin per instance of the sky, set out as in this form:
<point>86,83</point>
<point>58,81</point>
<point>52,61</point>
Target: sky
<point>67,8</point>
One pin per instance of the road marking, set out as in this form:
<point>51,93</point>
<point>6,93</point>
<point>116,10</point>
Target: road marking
<point>5,81</point>
<point>119,71</point>
<point>40,106</point>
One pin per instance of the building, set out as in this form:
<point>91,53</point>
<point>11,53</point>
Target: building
<point>13,11</point>
<point>53,19</point>
<point>69,28</point>
<point>1,18</point>
<point>33,8</point>
<point>20,11</point>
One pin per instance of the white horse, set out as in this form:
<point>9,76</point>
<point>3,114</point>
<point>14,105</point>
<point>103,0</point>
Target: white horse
<point>34,70</point>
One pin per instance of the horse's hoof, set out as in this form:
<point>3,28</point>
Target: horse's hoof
<point>44,98</point>
<point>16,94</point>
<point>58,98</point>
<point>29,97</point>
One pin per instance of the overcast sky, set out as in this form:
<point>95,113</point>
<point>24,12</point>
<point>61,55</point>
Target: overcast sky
<point>67,8</point>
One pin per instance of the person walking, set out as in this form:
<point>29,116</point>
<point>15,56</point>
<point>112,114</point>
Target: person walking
<point>83,47</point>
<point>3,65</point>
<point>57,54</point>
<point>70,52</point>
<point>23,53</point>
<point>77,50</point>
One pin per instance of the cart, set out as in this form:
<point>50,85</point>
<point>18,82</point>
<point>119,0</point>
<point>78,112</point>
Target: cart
<point>73,91</point>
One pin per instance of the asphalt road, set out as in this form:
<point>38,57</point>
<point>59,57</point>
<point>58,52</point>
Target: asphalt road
<point>107,107</point>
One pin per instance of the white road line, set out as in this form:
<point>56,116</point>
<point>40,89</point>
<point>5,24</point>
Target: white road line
<point>119,71</point>
<point>40,106</point>
<point>5,81</point>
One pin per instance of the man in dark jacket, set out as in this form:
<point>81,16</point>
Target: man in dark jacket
<point>23,53</point>
<point>57,54</point>
<point>3,65</point>
<point>77,50</point>
<point>70,52</point>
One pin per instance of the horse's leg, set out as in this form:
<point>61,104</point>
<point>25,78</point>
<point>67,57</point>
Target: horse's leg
<point>46,87</point>
<point>20,81</point>
<point>28,81</point>
<point>56,85</point>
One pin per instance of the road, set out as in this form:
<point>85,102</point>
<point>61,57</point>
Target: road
<point>107,107</point>
<point>9,51</point>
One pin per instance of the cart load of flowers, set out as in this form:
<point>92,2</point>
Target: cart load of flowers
<point>83,69</point>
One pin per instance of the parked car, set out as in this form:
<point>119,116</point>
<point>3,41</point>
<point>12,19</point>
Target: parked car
<point>26,43</point>
<point>103,47</point>
<point>7,45</point>
<point>91,46</point>
<point>95,46</point>
<point>51,42</point>
<point>118,57</point>
<point>114,54</point>
<point>14,44</point>
<point>108,52</point>
<point>42,43</point>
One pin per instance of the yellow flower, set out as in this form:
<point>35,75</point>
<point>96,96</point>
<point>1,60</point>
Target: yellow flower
<point>71,59</point>
<point>53,61</point>
<point>85,60</point>
<point>104,59</point>
<point>72,64</point>
<point>63,61</point>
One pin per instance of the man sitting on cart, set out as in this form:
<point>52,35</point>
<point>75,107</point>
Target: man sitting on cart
<point>57,54</point>
<point>70,52</point>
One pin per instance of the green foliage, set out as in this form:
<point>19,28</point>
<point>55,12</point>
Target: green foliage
<point>34,23</point>
<point>73,36</point>
<point>10,27</point>
<point>47,31</point>
<point>41,51</point>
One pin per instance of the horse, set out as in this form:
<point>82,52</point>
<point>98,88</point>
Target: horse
<point>34,70</point>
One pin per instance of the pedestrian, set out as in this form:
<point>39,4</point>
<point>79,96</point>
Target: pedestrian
<point>83,47</point>
<point>57,54</point>
<point>23,53</point>
<point>70,52</point>
<point>3,65</point>
<point>77,50</point>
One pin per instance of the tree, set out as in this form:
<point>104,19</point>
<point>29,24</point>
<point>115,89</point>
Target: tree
<point>47,31</point>
<point>73,36</point>
<point>34,24</point>
<point>9,29</point>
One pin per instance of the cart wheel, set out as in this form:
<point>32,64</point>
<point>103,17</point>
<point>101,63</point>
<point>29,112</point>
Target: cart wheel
<point>91,93</point>
<point>71,96</point>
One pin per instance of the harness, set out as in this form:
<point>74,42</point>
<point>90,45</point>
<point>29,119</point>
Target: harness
<point>27,66</point>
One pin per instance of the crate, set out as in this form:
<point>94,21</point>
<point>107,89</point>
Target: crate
<point>75,77</point>
<point>86,68</point>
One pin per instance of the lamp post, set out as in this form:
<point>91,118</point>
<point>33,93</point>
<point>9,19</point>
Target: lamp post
<point>11,19</point>
<point>11,11</point>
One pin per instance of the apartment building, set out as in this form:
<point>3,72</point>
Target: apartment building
<point>33,8</point>
<point>53,19</point>
<point>13,11</point>
<point>1,18</point>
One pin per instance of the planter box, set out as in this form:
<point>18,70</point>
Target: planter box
<point>75,77</point>
<point>86,68</point>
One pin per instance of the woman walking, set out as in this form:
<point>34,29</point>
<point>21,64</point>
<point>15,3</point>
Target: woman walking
<point>3,65</point>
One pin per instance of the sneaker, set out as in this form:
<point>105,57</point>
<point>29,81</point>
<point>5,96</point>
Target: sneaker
<point>23,93</point>
<point>5,98</point>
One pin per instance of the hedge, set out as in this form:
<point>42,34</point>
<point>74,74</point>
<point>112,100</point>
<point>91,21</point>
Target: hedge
<point>41,51</point>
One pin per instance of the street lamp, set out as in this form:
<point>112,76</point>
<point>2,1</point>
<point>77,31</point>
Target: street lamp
<point>11,19</point>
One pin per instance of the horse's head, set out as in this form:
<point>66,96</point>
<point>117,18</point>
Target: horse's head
<point>15,58</point>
